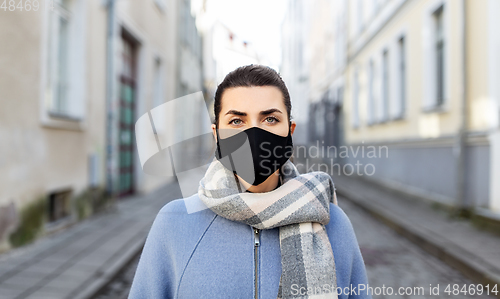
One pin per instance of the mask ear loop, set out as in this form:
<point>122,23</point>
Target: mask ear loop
<point>290,134</point>
<point>230,160</point>
<point>281,168</point>
<point>218,138</point>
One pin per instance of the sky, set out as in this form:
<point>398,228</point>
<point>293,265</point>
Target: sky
<point>255,21</point>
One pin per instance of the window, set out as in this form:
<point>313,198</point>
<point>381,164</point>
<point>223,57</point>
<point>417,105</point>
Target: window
<point>402,78</point>
<point>158,83</point>
<point>64,65</point>
<point>376,6</point>
<point>58,84</point>
<point>59,204</point>
<point>385,86</point>
<point>371,95</point>
<point>355,101</point>
<point>161,4</point>
<point>319,121</point>
<point>299,55</point>
<point>435,30</point>
<point>439,55</point>
<point>360,16</point>
<point>185,27</point>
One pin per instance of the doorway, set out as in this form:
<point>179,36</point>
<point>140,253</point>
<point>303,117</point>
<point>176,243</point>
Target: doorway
<point>127,94</point>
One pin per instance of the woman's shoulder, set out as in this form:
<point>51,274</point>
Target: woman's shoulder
<point>340,228</point>
<point>173,206</point>
<point>189,207</point>
<point>183,215</point>
<point>338,217</point>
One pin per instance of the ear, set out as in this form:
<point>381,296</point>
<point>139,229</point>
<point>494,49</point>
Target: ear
<point>214,132</point>
<point>292,126</point>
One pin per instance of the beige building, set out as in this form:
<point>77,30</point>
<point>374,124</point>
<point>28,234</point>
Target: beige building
<point>422,80</point>
<point>74,79</point>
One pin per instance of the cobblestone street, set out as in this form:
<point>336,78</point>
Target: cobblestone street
<point>391,261</point>
<point>120,286</point>
<point>78,262</point>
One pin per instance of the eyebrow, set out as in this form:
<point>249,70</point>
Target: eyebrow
<point>264,112</point>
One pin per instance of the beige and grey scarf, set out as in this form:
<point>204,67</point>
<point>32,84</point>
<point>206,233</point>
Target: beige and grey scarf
<point>300,208</point>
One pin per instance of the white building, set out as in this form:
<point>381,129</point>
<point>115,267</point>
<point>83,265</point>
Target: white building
<point>295,65</point>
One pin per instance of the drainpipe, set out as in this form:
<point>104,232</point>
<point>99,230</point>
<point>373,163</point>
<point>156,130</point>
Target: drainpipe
<point>110,115</point>
<point>463,207</point>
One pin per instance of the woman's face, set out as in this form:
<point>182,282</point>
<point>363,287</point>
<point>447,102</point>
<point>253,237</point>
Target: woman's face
<point>256,106</point>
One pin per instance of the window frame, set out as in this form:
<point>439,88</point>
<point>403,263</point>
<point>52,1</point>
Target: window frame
<point>74,116</point>
<point>161,4</point>
<point>430,103</point>
<point>371,105</point>
<point>402,69</point>
<point>158,82</point>
<point>385,86</point>
<point>355,121</point>
<point>400,95</point>
<point>439,55</point>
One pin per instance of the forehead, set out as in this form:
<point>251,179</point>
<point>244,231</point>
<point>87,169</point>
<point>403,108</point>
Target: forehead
<point>252,99</point>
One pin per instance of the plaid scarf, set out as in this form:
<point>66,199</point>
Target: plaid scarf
<point>300,208</point>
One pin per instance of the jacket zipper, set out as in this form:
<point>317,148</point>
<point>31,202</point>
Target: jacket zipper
<point>256,260</point>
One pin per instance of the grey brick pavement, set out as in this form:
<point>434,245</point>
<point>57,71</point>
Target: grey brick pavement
<point>79,261</point>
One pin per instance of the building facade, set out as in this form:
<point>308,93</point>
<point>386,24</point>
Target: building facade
<point>295,65</point>
<point>328,44</point>
<point>223,50</point>
<point>421,84</point>
<point>75,77</point>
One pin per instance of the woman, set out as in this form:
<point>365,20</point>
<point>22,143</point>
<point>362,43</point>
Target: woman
<point>268,231</point>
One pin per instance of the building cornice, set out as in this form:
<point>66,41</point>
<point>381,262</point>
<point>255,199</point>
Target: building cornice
<point>373,27</point>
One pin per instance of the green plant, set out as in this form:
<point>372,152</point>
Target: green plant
<point>91,201</point>
<point>101,199</point>
<point>436,206</point>
<point>31,220</point>
<point>83,206</point>
<point>487,224</point>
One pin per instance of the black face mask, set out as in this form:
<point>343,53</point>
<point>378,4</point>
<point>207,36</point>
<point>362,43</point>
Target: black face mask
<point>254,154</point>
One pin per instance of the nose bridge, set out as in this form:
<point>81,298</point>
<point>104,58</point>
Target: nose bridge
<point>254,122</point>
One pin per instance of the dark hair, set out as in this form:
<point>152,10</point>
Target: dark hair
<point>251,75</point>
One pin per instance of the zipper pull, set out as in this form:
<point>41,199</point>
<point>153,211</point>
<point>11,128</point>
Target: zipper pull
<point>256,237</point>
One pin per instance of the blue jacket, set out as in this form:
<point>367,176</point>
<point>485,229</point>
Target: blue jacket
<point>203,255</point>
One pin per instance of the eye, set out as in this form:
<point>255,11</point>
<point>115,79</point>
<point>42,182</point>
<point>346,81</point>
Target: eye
<point>272,119</point>
<point>235,121</point>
